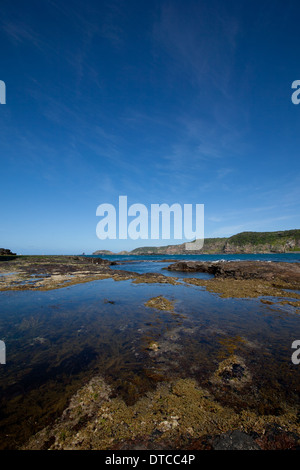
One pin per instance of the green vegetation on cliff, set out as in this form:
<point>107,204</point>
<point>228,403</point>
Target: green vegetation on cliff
<point>260,242</point>
<point>244,242</point>
<point>260,238</point>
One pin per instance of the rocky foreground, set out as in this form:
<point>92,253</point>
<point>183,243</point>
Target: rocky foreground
<point>54,272</point>
<point>179,413</point>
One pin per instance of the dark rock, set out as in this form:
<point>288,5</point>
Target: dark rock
<point>100,261</point>
<point>275,438</point>
<point>236,372</point>
<point>242,269</point>
<point>235,440</point>
<point>6,252</point>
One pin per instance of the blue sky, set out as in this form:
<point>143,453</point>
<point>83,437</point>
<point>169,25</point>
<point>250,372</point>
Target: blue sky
<point>162,101</point>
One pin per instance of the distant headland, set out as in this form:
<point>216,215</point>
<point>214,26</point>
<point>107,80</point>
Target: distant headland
<point>245,242</point>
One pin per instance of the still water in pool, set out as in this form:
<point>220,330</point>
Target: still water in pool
<point>56,340</point>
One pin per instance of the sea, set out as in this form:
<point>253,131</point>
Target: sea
<point>155,263</point>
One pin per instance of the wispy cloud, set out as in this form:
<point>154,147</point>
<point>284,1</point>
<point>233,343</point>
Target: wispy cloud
<point>249,226</point>
<point>184,34</point>
<point>98,18</point>
<point>19,32</point>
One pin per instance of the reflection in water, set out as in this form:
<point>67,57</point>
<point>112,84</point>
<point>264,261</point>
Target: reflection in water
<point>57,340</point>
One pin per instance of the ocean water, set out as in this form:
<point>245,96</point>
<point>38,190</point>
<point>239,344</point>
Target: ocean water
<point>146,266</point>
<point>293,257</point>
<point>155,263</point>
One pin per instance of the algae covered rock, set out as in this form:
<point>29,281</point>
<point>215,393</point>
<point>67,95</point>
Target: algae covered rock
<point>160,303</point>
<point>233,372</point>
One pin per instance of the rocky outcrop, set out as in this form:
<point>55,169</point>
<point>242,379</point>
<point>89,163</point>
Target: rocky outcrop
<point>101,261</point>
<point>242,269</point>
<point>103,252</point>
<point>177,415</point>
<point>6,252</point>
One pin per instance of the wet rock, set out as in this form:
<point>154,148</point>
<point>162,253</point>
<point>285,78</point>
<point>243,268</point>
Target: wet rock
<point>275,438</point>
<point>178,414</point>
<point>153,346</point>
<point>193,266</point>
<point>267,302</point>
<point>142,445</point>
<point>100,261</point>
<point>236,372</point>
<point>160,303</point>
<point>235,440</point>
<point>39,340</point>
<point>233,372</point>
<point>242,269</point>
<point>169,424</point>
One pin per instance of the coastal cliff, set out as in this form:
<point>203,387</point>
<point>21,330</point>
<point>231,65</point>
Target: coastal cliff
<point>245,242</point>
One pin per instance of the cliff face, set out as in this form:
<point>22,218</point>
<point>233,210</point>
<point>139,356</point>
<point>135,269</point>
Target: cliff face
<point>231,248</point>
<point>264,242</point>
<point>245,242</point>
